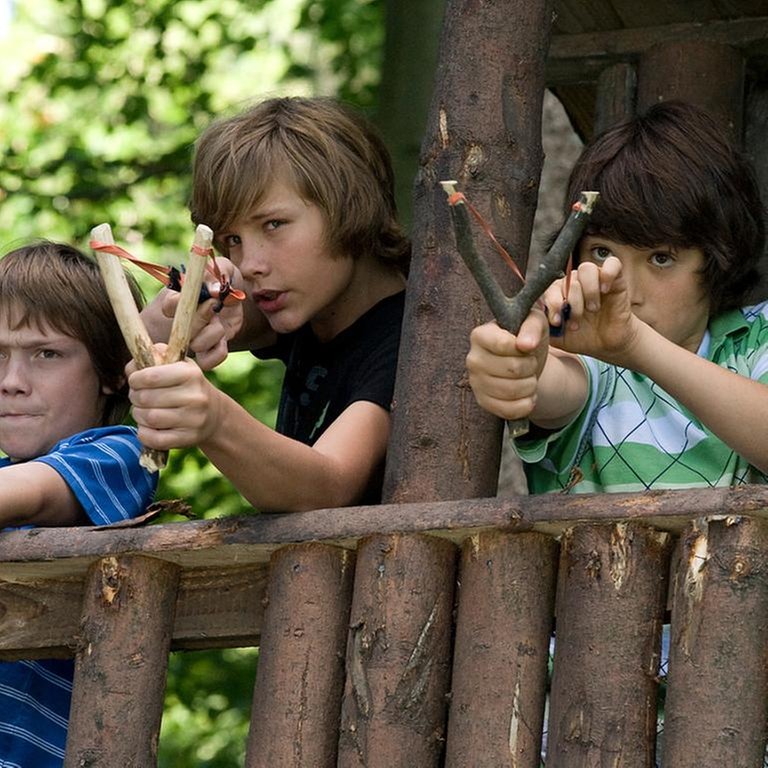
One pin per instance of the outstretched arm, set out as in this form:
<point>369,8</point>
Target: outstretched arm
<point>602,325</point>
<point>732,406</point>
<point>32,493</point>
<point>175,406</point>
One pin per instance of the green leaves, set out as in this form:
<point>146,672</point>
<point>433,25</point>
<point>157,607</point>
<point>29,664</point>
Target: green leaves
<point>102,102</point>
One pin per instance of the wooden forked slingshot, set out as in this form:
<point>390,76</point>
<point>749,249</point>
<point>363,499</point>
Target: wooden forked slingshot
<point>511,312</point>
<point>134,332</point>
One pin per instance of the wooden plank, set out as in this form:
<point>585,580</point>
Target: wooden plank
<point>216,608</point>
<point>579,16</point>
<point>634,14</point>
<point>579,58</point>
<point>616,91</point>
<point>32,555</point>
<point>585,15</point>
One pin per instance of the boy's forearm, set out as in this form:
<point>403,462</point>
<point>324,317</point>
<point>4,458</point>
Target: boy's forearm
<point>728,404</point>
<point>562,391</point>
<point>33,493</point>
<point>276,473</point>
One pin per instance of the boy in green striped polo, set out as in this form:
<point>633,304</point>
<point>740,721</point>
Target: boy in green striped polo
<point>659,379</point>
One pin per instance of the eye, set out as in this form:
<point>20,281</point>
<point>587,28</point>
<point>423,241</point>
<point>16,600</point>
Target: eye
<point>273,224</point>
<point>661,259</point>
<point>599,253</point>
<point>49,354</point>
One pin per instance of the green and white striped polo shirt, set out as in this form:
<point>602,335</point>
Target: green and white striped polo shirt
<point>632,436</point>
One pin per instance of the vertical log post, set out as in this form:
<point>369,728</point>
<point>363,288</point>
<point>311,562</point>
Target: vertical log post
<point>610,609</point>
<point>398,653</point>
<point>503,628</point>
<point>300,678</point>
<point>717,700</point>
<point>121,663</point>
<point>705,73</point>
<point>484,130</point>
<point>615,98</point>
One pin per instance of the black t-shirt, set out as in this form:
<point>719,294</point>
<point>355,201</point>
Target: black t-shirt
<point>323,378</point>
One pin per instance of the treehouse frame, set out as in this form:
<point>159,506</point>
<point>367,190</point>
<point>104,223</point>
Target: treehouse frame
<point>417,633</point>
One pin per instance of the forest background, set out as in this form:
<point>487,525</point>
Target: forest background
<point>102,102</point>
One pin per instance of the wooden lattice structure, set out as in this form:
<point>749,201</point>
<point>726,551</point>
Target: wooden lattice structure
<point>417,633</point>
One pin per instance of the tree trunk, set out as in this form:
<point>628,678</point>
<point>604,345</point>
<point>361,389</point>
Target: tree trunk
<point>121,663</point>
<point>611,595</point>
<point>300,678</point>
<point>503,626</point>
<point>484,130</point>
<point>717,703</point>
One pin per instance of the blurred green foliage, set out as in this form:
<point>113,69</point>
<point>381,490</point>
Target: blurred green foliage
<point>102,102</point>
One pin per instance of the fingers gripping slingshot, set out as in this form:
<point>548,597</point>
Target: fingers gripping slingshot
<point>135,334</point>
<point>510,312</point>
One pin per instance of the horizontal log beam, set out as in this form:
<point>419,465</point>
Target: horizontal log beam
<point>579,58</point>
<point>224,561</point>
<point>250,540</point>
<point>215,608</point>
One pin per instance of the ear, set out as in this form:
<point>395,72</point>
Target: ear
<point>107,390</point>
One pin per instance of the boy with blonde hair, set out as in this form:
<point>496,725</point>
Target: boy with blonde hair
<point>300,196</point>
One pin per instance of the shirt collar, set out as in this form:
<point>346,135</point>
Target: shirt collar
<point>728,323</point>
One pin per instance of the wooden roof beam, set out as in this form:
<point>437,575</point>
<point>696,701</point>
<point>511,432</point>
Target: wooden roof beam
<point>580,58</point>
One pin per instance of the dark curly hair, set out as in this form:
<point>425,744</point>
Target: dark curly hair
<point>670,176</point>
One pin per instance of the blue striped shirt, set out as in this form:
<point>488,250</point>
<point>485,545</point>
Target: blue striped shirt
<point>101,466</point>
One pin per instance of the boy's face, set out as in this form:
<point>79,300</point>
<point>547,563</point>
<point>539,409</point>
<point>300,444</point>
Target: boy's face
<point>49,388</point>
<point>292,276</point>
<point>665,286</point>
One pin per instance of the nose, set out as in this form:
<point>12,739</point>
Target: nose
<point>634,285</point>
<point>254,260</point>
<point>14,379</point>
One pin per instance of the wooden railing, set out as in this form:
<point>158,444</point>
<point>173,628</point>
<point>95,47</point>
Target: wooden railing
<point>364,634</point>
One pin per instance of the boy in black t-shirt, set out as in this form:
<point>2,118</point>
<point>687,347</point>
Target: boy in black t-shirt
<point>299,193</point>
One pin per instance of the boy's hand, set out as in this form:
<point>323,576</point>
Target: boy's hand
<point>174,405</point>
<point>601,323</point>
<point>504,369</point>
<point>211,330</point>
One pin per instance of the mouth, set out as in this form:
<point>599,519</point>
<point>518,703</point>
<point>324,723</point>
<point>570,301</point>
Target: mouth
<point>269,300</point>
<point>265,295</point>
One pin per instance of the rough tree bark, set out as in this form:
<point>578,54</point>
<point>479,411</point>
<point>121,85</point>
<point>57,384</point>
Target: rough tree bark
<point>719,644</point>
<point>612,586</point>
<point>300,678</point>
<point>398,653</point>
<point>121,663</point>
<point>503,626</point>
<point>484,130</point>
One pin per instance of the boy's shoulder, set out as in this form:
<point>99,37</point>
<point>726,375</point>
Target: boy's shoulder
<point>119,433</point>
<point>122,438</point>
<point>747,327</point>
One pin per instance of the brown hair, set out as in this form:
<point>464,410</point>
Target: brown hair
<point>58,285</point>
<point>670,176</point>
<point>328,150</point>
